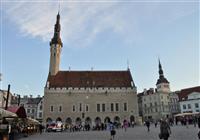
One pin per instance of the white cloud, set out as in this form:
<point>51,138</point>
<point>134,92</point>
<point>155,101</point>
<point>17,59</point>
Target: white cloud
<point>82,22</point>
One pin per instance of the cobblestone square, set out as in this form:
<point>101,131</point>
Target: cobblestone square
<point>136,133</point>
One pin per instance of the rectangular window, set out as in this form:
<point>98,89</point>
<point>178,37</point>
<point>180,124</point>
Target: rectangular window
<point>80,107</point>
<point>40,107</point>
<point>73,108</point>
<point>60,108</point>
<point>98,107</point>
<point>155,103</point>
<point>40,114</point>
<point>184,106</point>
<point>51,108</point>
<point>33,110</point>
<point>86,108</point>
<point>196,105</point>
<point>103,107</point>
<point>125,106</point>
<point>189,106</point>
<point>117,107</point>
<point>150,104</point>
<point>28,110</point>
<point>112,107</point>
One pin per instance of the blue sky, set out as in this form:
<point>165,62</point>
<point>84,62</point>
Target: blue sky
<point>102,35</point>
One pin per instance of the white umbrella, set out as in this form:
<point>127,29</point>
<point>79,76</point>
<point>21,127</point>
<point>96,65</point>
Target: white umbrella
<point>5,113</point>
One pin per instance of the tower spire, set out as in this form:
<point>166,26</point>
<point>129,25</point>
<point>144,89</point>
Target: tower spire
<point>55,48</point>
<point>161,79</point>
<point>56,37</point>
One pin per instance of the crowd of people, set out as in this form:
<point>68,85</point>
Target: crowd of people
<point>166,123</point>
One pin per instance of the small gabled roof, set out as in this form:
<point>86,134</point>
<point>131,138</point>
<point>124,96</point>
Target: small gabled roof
<point>19,110</point>
<point>34,100</point>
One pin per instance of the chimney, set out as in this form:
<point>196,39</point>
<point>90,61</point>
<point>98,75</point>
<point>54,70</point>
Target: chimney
<point>145,90</point>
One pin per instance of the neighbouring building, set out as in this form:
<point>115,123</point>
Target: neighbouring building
<point>174,103</point>
<point>90,96</point>
<point>40,110</point>
<point>140,102</point>
<point>30,104</point>
<point>189,100</point>
<point>156,103</point>
<point>3,97</point>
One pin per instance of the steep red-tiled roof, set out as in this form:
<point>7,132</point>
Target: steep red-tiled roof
<point>183,94</point>
<point>91,79</point>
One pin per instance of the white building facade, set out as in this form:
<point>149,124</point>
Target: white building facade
<point>191,104</point>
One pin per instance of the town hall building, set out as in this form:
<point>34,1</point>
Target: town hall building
<point>91,96</point>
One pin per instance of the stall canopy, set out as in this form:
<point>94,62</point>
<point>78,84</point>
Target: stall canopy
<point>5,113</point>
<point>19,110</point>
<point>32,121</point>
<point>186,114</point>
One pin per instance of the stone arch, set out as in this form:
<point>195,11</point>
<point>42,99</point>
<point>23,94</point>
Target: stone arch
<point>97,120</point>
<point>78,121</point>
<point>107,119</point>
<point>68,120</point>
<point>132,118</point>
<point>117,119</point>
<point>88,120</point>
<point>48,120</point>
<point>58,119</point>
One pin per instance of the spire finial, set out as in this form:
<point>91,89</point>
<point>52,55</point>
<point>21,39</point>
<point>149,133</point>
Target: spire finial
<point>59,8</point>
<point>128,64</point>
<point>160,66</point>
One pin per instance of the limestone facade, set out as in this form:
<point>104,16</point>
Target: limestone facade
<point>90,104</point>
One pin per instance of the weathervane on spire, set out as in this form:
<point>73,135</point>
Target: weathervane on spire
<point>59,7</point>
<point>128,64</point>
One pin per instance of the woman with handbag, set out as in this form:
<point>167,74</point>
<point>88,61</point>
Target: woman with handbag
<point>165,130</point>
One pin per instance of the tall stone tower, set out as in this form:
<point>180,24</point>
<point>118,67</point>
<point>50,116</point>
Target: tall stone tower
<point>55,48</point>
<point>162,83</point>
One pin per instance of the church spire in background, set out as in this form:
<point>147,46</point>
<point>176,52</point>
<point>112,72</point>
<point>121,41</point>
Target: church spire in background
<point>161,79</point>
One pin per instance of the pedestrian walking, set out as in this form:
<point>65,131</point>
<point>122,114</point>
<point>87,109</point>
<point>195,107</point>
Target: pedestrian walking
<point>156,123</point>
<point>125,125</point>
<point>147,123</point>
<point>112,131</point>
<point>198,121</point>
<point>40,128</point>
<point>165,130</point>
